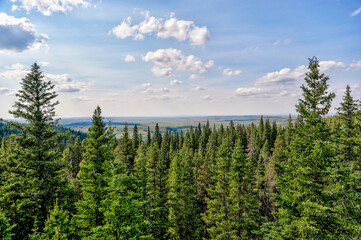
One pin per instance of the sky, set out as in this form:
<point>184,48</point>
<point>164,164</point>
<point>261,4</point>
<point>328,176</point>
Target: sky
<point>178,58</point>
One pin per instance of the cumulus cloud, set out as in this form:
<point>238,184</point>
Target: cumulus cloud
<point>7,91</point>
<point>171,28</point>
<point>355,65</point>
<point>47,7</point>
<point>167,59</point>
<point>286,75</point>
<point>228,72</point>
<point>250,91</point>
<point>146,85</point>
<point>44,64</point>
<point>356,12</point>
<point>62,82</point>
<point>154,90</point>
<point>175,82</point>
<point>327,65</point>
<point>162,72</point>
<point>129,58</point>
<point>193,76</point>
<point>283,76</point>
<point>198,88</point>
<point>207,97</point>
<point>18,34</point>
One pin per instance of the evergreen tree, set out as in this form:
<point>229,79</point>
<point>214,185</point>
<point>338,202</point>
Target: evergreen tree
<point>157,136</point>
<point>183,210</point>
<point>124,153</point>
<point>244,214</point>
<point>311,181</point>
<point>348,143</point>
<point>5,228</point>
<point>57,226</point>
<point>94,176</point>
<point>31,178</point>
<point>123,213</point>
<point>219,225</point>
<point>158,181</point>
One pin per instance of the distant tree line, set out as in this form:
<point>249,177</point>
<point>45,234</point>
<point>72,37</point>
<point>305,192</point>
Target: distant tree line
<point>264,181</point>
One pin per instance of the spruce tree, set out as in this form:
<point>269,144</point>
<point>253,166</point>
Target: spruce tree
<point>311,181</point>
<point>94,176</point>
<point>31,176</point>
<point>348,143</point>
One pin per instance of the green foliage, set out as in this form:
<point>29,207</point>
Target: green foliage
<point>5,228</point>
<point>94,176</point>
<point>31,176</point>
<point>57,226</point>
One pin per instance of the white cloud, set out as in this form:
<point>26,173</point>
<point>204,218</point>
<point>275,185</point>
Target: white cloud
<point>168,58</point>
<point>193,76</point>
<point>164,89</point>
<point>44,64</point>
<point>207,97</point>
<point>165,72</point>
<point>355,65</point>
<point>47,7</point>
<point>171,28</point>
<point>18,34</point>
<point>198,88</point>
<point>7,91</point>
<point>286,41</point>
<point>62,82</point>
<point>228,72</point>
<point>250,91</point>
<point>148,91</point>
<point>286,75</point>
<point>327,65</point>
<point>15,72</point>
<point>146,85</point>
<point>175,82</point>
<point>129,58</point>
<point>283,76</point>
<point>356,12</point>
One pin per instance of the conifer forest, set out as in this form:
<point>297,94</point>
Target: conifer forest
<point>264,180</point>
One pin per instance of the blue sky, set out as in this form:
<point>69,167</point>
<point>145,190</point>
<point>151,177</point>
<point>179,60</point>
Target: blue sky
<point>170,58</point>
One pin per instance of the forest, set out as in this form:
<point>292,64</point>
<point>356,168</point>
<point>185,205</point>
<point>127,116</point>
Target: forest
<point>260,181</point>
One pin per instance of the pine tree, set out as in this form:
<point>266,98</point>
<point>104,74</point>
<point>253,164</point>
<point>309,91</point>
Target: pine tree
<point>244,214</point>
<point>348,143</point>
<point>184,214</point>
<point>94,176</point>
<point>32,171</point>
<point>124,215</point>
<point>57,226</point>
<point>219,225</point>
<point>5,228</point>
<point>124,153</point>
<point>311,184</point>
<point>158,190</point>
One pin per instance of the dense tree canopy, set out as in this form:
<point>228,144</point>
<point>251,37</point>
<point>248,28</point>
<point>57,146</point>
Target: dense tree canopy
<point>264,180</point>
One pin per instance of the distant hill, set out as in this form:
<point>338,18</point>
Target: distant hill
<point>172,123</point>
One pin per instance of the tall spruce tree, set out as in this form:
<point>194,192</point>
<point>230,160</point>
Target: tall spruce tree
<point>94,176</point>
<point>310,188</point>
<point>31,178</point>
<point>348,143</point>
